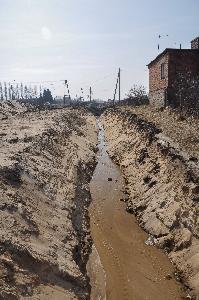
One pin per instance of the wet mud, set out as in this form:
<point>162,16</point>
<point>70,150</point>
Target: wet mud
<point>125,268</point>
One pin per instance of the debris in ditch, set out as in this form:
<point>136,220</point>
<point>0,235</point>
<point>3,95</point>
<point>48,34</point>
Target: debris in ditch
<point>125,198</point>
<point>168,277</point>
<point>151,241</point>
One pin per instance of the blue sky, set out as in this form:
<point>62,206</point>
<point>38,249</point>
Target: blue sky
<point>86,41</point>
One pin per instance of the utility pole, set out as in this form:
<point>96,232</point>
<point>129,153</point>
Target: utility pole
<point>90,94</point>
<point>118,85</point>
<point>68,91</point>
<point>82,96</point>
<point>115,91</point>
<point>119,77</point>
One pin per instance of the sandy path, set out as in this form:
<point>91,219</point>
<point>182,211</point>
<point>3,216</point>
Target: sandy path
<point>133,269</point>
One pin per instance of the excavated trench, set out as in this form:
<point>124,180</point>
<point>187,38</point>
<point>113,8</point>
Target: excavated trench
<point>122,266</point>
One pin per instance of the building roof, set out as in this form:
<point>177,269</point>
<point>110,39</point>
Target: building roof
<point>196,39</point>
<point>171,50</point>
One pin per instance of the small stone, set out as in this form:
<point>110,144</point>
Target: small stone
<point>151,241</point>
<point>168,277</point>
<point>195,190</point>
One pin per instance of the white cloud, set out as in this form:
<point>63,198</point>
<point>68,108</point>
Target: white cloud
<point>46,33</point>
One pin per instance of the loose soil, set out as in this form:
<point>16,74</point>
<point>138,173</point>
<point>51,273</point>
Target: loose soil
<point>46,163</point>
<point>182,130</point>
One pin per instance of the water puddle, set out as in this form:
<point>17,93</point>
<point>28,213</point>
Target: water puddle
<point>122,266</point>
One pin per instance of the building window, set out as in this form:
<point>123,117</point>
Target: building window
<point>163,71</point>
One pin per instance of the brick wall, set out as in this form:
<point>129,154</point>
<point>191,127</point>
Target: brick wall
<point>157,98</point>
<point>187,92</point>
<point>178,64</point>
<point>157,85</point>
<point>155,81</point>
<point>195,43</point>
<point>183,68</point>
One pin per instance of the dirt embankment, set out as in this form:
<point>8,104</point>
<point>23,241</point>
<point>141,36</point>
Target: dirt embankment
<point>179,129</point>
<point>163,187</point>
<point>47,160</point>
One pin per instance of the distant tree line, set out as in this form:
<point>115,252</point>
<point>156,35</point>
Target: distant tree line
<point>9,91</point>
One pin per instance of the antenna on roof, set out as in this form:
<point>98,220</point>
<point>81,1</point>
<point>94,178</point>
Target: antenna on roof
<point>161,36</point>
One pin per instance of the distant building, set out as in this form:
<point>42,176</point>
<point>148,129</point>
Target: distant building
<point>174,77</point>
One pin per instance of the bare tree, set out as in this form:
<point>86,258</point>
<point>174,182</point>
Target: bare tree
<point>1,91</point>
<point>9,91</point>
<point>21,91</point>
<point>40,91</point>
<point>5,91</point>
<point>12,92</point>
<point>30,92</point>
<point>137,95</point>
<point>17,92</point>
<point>26,92</point>
<point>35,92</point>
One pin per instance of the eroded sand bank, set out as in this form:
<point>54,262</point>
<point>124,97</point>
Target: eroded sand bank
<point>47,159</point>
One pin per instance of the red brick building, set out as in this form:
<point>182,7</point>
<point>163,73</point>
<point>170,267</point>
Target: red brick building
<point>174,74</point>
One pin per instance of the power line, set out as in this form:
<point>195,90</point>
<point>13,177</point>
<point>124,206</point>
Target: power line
<point>97,80</point>
<point>54,84</point>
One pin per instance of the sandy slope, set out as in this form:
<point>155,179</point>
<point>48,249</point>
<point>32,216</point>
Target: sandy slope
<point>184,132</point>
<point>46,163</point>
<point>163,186</point>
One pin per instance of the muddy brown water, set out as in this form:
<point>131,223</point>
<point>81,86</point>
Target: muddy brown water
<point>122,266</point>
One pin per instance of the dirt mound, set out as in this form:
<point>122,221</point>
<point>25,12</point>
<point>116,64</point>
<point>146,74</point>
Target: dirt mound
<point>182,130</point>
<point>47,160</point>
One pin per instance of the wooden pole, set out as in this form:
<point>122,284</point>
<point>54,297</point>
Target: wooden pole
<point>90,94</point>
<point>119,76</point>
